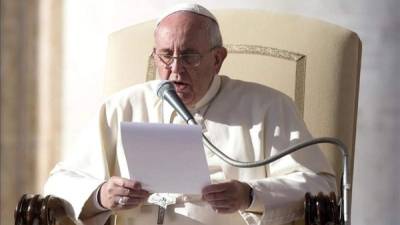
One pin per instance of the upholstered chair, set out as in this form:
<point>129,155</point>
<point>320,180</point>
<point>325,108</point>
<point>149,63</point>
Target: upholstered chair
<point>316,63</point>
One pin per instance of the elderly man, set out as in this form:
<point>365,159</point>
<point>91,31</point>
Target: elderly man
<point>189,52</point>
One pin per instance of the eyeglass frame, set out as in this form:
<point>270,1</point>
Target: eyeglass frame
<point>168,65</point>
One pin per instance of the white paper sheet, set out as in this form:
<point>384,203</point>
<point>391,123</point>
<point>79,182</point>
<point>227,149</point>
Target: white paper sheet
<point>165,158</point>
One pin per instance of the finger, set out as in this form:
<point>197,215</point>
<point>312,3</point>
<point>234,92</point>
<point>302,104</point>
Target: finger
<point>129,192</point>
<point>124,191</point>
<point>131,184</point>
<point>216,196</point>
<point>121,191</point>
<point>118,181</point>
<point>137,185</point>
<point>215,188</point>
<point>139,193</point>
<point>118,203</point>
<point>221,204</point>
<point>123,182</point>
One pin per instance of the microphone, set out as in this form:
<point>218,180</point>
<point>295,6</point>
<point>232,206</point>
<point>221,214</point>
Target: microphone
<point>166,91</point>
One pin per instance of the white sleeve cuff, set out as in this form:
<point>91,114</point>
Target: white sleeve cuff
<point>255,206</point>
<point>281,198</point>
<point>96,201</point>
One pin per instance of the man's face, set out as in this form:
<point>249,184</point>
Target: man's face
<point>186,33</point>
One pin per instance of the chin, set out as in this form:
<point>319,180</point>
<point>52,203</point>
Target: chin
<point>186,98</point>
<point>188,102</point>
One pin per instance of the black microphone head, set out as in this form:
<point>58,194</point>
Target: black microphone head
<point>166,91</point>
<point>164,85</point>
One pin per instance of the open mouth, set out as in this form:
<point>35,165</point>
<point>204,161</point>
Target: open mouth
<point>180,86</point>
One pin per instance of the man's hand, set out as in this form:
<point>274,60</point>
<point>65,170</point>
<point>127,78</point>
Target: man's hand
<point>228,197</point>
<point>119,193</point>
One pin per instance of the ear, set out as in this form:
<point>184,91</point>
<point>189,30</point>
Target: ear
<point>220,54</point>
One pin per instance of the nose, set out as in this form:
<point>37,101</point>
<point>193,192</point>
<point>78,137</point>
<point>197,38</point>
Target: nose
<point>176,65</point>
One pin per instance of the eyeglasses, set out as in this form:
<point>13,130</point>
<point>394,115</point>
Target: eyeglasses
<point>188,60</point>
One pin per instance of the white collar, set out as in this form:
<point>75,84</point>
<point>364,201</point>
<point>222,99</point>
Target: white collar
<point>210,94</point>
<point>212,91</point>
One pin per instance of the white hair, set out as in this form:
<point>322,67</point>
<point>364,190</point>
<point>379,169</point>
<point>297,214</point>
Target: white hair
<point>215,34</point>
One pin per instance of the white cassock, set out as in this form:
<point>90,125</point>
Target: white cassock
<point>246,121</point>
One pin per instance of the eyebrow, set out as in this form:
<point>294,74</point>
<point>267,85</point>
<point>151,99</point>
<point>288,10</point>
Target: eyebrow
<point>190,51</point>
<point>185,51</point>
<point>165,50</point>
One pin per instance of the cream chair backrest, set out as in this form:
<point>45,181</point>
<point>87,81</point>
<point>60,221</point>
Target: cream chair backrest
<point>314,62</point>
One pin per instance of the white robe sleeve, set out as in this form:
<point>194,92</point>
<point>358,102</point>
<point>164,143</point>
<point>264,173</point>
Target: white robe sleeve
<point>280,196</point>
<point>87,166</point>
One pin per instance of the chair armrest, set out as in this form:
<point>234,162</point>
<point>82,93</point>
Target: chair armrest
<point>322,209</point>
<point>50,210</point>
<point>36,209</point>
